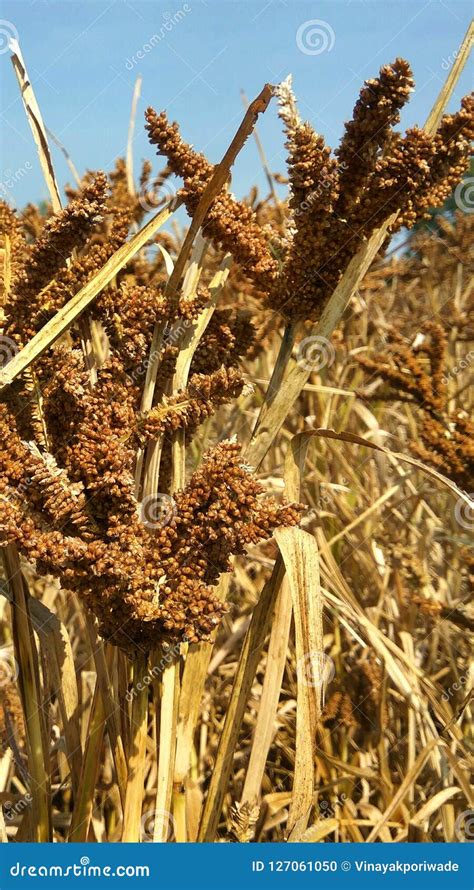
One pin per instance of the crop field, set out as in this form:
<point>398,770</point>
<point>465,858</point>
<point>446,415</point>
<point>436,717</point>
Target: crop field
<point>236,482</point>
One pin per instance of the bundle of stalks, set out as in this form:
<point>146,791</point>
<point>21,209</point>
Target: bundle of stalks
<point>208,641</point>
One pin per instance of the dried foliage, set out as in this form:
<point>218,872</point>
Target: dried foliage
<point>419,373</point>
<point>144,536</point>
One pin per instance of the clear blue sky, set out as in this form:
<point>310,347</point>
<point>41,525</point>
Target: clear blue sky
<point>83,58</point>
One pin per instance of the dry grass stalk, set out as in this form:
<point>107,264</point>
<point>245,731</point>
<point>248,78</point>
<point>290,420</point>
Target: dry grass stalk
<point>30,692</point>
<point>57,649</point>
<point>247,666</point>
<point>35,120</point>
<point>339,760</point>
<point>72,311</point>
<point>300,556</point>
<point>271,420</point>
<point>131,129</point>
<point>136,763</point>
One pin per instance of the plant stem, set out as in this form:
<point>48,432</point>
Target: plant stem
<point>136,761</point>
<point>269,424</point>
<point>84,805</point>
<point>246,669</point>
<point>279,370</point>
<point>26,657</point>
<point>166,732</point>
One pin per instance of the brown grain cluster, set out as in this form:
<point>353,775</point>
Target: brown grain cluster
<point>418,373</point>
<point>72,500</point>
<point>229,223</point>
<point>12,724</point>
<point>144,571</point>
<point>202,397</point>
<point>336,200</point>
<point>63,233</point>
<point>144,566</point>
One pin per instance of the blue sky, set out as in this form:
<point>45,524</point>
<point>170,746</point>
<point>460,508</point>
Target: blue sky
<point>83,59</point>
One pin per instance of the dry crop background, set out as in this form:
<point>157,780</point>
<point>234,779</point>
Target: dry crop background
<point>235,466</point>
